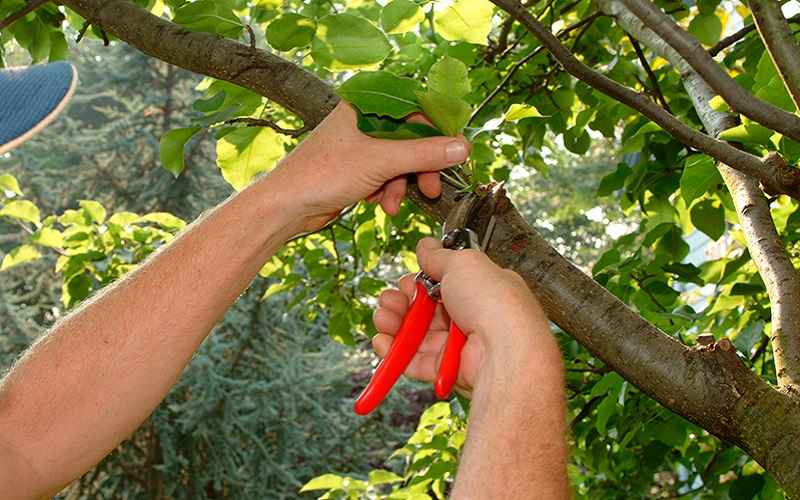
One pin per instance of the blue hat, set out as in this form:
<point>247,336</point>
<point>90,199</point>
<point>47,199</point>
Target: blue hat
<point>31,97</point>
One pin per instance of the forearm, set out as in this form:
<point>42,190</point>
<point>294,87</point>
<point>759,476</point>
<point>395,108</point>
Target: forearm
<point>99,373</point>
<point>516,445</point>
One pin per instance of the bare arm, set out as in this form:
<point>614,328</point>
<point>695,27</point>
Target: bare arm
<point>89,383</point>
<point>510,366</point>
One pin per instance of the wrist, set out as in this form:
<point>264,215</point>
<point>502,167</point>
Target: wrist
<point>272,210</point>
<point>520,360</point>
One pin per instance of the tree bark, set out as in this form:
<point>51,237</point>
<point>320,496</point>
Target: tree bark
<point>766,248</point>
<point>707,385</point>
<point>781,45</point>
<point>739,99</point>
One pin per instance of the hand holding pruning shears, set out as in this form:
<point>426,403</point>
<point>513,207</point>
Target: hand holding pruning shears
<point>420,337</point>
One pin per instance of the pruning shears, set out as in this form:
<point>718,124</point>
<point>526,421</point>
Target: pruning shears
<point>457,236</point>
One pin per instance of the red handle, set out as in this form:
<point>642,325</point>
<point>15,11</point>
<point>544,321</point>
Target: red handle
<point>409,337</point>
<point>451,359</point>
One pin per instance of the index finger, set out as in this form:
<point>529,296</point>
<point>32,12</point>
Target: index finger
<point>432,257</point>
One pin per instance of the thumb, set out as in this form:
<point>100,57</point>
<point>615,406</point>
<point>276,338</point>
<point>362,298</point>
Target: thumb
<point>425,155</point>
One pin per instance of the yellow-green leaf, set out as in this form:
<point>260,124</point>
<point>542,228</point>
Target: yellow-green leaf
<point>400,16</point>
<point>9,183</point>
<point>94,210</point>
<point>19,255</point>
<point>465,20</point>
<point>517,112</point>
<point>48,237</point>
<point>324,482</point>
<point>23,210</point>
<point>246,152</point>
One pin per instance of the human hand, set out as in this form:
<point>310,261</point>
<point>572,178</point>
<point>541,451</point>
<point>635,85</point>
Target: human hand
<point>506,328</point>
<point>338,165</point>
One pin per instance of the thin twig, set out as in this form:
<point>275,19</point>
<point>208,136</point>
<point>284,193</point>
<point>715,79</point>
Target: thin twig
<point>16,16</point>
<point>262,122</point>
<point>569,29</point>
<point>732,39</point>
<point>653,78</point>
<point>252,36</point>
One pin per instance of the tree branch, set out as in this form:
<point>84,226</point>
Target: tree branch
<point>261,122</point>
<point>766,248</point>
<point>780,43</point>
<point>732,39</point>
<point>517,65</point>
<point>16,16</point>
<point>739,99</point>
<point>780,180</point>
<point>652,76</point>
<point>206,53</point>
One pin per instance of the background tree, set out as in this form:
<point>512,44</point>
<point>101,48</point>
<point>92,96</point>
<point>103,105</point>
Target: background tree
<point>710,146</point>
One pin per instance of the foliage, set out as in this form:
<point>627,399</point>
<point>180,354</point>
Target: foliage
<point>427,463</point>
<point>679,258</point>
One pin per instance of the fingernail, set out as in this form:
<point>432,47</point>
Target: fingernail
<point>455,152</point>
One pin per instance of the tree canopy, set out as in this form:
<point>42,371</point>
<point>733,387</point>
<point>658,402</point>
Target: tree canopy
<point>666,130</point>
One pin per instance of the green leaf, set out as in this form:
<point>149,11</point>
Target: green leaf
<point>614,181</point>
<point>9,183</point>
<point>171,148</point>
<point>517,112</point>
<point>346,41</point>
<point>246,152</point>
<point>400,16</point>
<point>699,176</point>
<point>59,50</point>
<point>95,211</point>
<point>290,31</point>
<point>213,16</point>
<point>635,143</point>
<point>709,218</point>
<point>76,289</point>
<point>387,128</point>
<point>746,487</point>
<point>449,76</point>
<point>365,238</point>
<point>577,141</point>
<point>449,114</point>
<point>19,255</point>
<point>381,93</point>
<point>605,410</point>
<point>706,28</point>
<point>324,482</point>
<point>211,103</point>
<point>747,338</point>
<point>381,476</point>
<point>465,20</point>
<point>22,210</point>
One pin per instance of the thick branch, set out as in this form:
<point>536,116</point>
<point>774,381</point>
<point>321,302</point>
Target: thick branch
<point>739,99</point>
<point>783,180</point>
<point>206,53</point>
<point>765,245</point>
<point>16,16</point>
<point>780,43</point>
<point>707,385</point>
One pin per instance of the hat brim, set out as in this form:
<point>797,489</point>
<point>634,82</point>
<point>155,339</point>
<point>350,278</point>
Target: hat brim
<point>41,91</point>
